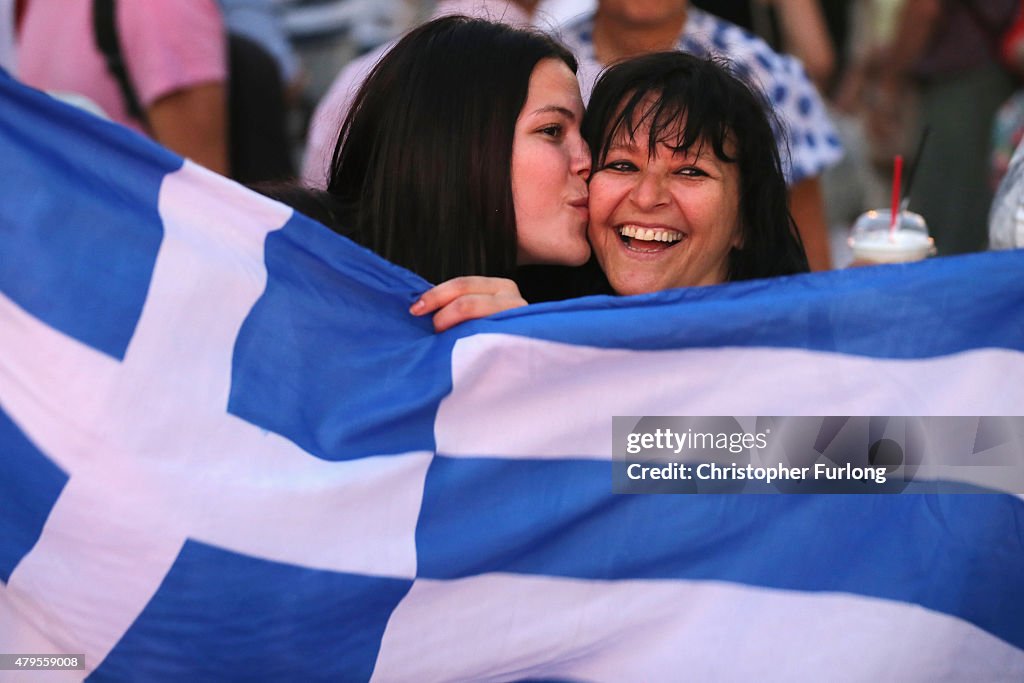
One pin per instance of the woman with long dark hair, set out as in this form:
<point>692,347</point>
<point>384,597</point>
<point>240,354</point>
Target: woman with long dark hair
<point>462,155</point>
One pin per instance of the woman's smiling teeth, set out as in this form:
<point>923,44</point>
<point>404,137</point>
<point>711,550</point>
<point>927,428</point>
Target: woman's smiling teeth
<point>632,234</point>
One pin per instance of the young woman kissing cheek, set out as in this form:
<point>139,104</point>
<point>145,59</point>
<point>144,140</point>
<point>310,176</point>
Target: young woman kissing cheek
<point>549,171</point>
<point>665,217</point>
<point>550,167</point>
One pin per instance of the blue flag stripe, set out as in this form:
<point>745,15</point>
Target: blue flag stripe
<point>223,616</point>
<point>297,329</point>
<point>484,515</point>
<point>107,194</point>
<point>862,312</point>
<point>29,486</point>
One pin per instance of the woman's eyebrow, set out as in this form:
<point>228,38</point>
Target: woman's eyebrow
<point>555,109</point>
<point>696,151</point>
<point>627,145</point>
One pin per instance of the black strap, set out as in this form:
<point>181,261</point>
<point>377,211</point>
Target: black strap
<point>104,27</point>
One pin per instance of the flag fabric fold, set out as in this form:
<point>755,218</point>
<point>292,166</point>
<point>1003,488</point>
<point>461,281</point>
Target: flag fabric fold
<point>228,452</point>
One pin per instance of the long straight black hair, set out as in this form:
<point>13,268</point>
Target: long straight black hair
<point>665,89</point>
<point>422,167</point>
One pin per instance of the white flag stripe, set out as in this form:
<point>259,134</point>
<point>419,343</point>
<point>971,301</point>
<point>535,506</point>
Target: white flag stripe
<point>499,627</point>
<point>48,378</point>
<point>14,624</point>
<point>208,277</point>
<point>485,413</point>
<point>135,492</point>
<point>113,554</point>
<point>261,495</point>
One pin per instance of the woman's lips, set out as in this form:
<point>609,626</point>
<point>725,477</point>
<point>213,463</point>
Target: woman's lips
<point>582,205</point>
<point>646,239</point>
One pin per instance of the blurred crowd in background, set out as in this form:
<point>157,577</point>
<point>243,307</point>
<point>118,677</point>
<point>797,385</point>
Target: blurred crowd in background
<point>235,84</point>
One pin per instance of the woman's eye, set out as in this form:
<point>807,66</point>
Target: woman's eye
<point>620,166</point>
<point>691,171</point>
<point>554,130</point>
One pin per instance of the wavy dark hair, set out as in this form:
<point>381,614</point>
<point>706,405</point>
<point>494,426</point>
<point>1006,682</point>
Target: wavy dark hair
<point>422,168</point>
<point>717,108</point>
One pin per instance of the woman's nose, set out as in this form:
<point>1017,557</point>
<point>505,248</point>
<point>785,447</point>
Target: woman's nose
<point>580,162</point>
<point>649,191</point>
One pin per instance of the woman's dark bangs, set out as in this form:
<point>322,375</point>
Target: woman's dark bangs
<point>705,117</point>
<point>662,108</point>
<point>621,122</point>
<point>664,115</point>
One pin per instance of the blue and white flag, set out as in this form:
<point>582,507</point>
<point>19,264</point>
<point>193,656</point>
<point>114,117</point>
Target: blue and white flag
<point>227,452</point>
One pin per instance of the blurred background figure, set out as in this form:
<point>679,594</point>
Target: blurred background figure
<point>332,109</point>
<point>946,52</point>
<point>8,61</point>
<point>1007,134</point>
<point>795,27</point>
<point>264,84</point>
<point>328,34</point>
<point>1008,130</point>
<point>174,57</point>
<point>1006,220</point>
<point>809,144</point>
<point>262,21</point>
<point>558,12</point>
<point>861,181</point>
<point>819,35</point>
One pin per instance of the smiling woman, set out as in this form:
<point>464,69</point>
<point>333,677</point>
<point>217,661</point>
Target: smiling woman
<point>687,188</point>
<point>664,217</point>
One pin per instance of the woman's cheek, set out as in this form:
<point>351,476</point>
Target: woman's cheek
<point>602,202</point>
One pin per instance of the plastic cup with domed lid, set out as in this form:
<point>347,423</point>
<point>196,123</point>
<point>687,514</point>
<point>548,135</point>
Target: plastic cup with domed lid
<point>875,240</point>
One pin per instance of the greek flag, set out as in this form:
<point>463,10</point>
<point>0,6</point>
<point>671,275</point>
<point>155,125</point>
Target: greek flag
<point>227,452</point>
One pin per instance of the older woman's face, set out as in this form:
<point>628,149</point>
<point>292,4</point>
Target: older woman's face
<point>663,218</point>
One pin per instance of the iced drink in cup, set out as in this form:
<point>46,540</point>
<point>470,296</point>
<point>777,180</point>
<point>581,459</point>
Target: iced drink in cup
<point>873,241</point>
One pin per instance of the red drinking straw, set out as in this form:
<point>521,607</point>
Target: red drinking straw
<point>897,174</point>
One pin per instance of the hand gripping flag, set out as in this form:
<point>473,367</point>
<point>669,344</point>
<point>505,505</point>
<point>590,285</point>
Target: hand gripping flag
<point>227,452</point>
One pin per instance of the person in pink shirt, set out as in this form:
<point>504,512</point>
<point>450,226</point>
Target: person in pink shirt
<point>176,59</point>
